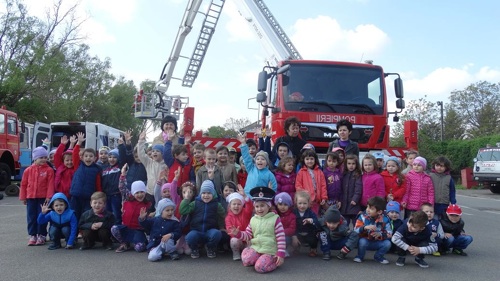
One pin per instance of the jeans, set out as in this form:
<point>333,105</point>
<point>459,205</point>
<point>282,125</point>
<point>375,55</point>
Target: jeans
<point>79,205</point>
<point>126,235</point>
<point>114,205</point>
<point>328,244</point>
<point>380,246</point>
<point>211,237</point>
<point>58,233</point>
<point>157,252</point>
<point>32,210</point>
<point>91,236</point>
<point>459,242</point>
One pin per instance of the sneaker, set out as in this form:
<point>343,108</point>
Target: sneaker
<point>459,252</point>
<point>236,255</point>
<point>211,253</point>
<point>312,253</point>
<point>40,240</point>
<point>327,256</point>
<point>54,246</point>
<point>122,248</point>
<point>382,260</point>
<point>341,255</point>
<point>287,254</point>
<point>195,254</point>
<point>32,241</point>
<point>400,261</point>
<point>356,259</point>
<point>174,256</point>
<point>436,254</point>
<point>421,263</point>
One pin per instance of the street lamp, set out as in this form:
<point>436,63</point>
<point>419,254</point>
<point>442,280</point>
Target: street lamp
<point>440,104</point>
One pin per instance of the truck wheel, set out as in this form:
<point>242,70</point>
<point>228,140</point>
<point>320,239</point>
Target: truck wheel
<point>12,190</point>
<point>1,196</point>
<point>4,176</point>
<point>495,188</point>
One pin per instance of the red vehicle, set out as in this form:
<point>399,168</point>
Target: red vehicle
<point>9,149</point>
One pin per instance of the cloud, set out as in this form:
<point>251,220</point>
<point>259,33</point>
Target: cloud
<point>120,11</point>
<point>324,38</point>
<point>96,32</point>
<point>237,26</point>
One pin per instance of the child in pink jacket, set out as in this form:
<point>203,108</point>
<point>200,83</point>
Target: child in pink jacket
<point>419,187</point>
<point>373,183</point>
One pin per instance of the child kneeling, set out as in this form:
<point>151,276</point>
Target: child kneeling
<point>265,231</point>
<point>336,234</point>
<point>63,222</point>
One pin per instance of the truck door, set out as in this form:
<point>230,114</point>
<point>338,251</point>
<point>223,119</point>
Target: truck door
<point>91,136</point>
<point>40,132</point>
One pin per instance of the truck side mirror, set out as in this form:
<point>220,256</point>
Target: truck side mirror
<point>398,88</point>
<point>262,81</point>
<point>261,97</point>
<point>400,104</point>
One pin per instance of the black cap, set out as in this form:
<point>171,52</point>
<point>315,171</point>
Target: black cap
<point>262,193</point>
<point>332,215</point>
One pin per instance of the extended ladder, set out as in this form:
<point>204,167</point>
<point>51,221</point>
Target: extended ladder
<point>204,38</point>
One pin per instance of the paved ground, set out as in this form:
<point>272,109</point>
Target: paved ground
<point>19,262</point>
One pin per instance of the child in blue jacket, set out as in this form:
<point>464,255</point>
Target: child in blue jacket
<point>63,222</point>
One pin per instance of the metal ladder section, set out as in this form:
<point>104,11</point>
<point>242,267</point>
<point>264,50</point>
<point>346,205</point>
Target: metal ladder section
<point>295,55</point>
<point>206,33</point>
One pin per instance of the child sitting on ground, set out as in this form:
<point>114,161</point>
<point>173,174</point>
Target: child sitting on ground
<point>336,234</point>
<point>164,230</point>
<point>265,231</point>
<point>63,222</point>
<point>414,237</point>
<point>284,206</point>
<point>96,223</point>
<point>238,216</point>
<point>454,234</point>
<point>307,224</point>
<point>434,225</point>
<point>374,231</point>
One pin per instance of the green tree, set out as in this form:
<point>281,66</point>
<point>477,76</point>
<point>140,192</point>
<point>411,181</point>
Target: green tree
<point>454,127</point>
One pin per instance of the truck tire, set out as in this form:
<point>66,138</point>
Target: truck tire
<point>4,176</point>
<point>12,190</point>
<point>495,187</point>
<point>1,196</point>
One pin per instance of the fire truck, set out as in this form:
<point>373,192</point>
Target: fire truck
<point>319,93</point>
<point>10,130</point>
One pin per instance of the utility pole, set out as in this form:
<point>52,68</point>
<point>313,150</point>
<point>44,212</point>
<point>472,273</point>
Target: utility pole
<point>440,104</point>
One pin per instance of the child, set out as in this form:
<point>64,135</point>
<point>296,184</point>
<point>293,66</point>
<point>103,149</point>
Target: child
<point>444,186</point>
<point>198,152</point>
<point>282,151</point>
<point>228,170</point>
<point>454,234</point>
<point>344,129</point>
<point>96,223</point>
<point>373,183</point>
<point>352,187</point>
<point>394,181</point>
<point>206,221</point>
<point>154,164</point>
<point>284,204</point>
<point>258,172</point>
<point>238,216</point>
<point>379,156</point>
<point>265,231</point>
<point>110,179</point>
<point>232,159</point>
<point>419,188</point>
<point>252,147</point>
<point>333,178</point>
<point>374,231</point>
<point>164,231</point>
<point>336,235</point>
<point>410,156</point>
<point>130,156</point>
<point>392,209</point>
<point>63,222</point>
<point>414,237</point>
<point>285,176</point>
<point>87,178</point>
<point>188,192</point>
<point>311,179</point>
<point>63,162</point>
<point>434,225</point>
<point>229,188</point>
<point>175,157</point>
<point>130,231</point>
<point>103,157</point>
<point>37,187</point>
<point>210,171</point>
<point>242,173</point>
<point>307,224</point>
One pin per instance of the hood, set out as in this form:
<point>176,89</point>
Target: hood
<point>59,195</point>
<point>284,143</point>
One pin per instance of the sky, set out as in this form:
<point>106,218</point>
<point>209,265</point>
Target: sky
<point>436,46</point>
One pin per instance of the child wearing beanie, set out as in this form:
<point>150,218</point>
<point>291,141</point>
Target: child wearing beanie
<point>164,230</point>
<point>419,187</point>
<point>239,213</point>
<point>392,210</point>
<point>37,187</point>
<point>336,234</point>
<point>284,205</point>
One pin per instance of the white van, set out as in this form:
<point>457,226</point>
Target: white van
<point>487,167</point>
<point>96,134</point>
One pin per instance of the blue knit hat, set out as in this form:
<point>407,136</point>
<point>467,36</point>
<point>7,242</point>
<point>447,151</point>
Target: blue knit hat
<point>207,186</point>
<point>392,206</point>
<point>158,147</point>
<point>162,204</point>
<point>114,152</point>
<point>39,152</point>
<point>395,159</point>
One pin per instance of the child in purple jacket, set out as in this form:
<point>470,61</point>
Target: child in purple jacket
<point>285,176</point>
<point>333,177</point>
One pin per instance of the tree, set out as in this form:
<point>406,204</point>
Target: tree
<point>216,132</point>
<point>478,106</point>
<point>236,125</point>
<point>454,128</point>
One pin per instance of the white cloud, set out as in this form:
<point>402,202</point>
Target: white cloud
<point>120,11</point>
<point>96,32</point>
<point>323,37</point>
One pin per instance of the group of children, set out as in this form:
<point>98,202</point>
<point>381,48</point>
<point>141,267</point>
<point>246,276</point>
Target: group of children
<point>181,198</point>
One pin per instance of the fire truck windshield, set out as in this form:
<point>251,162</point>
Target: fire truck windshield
<point>333,88</point>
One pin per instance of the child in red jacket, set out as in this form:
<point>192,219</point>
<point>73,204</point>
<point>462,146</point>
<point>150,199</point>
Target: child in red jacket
<point>63,162</point>
<point>284,204</point>
<point>37,187</point>
<point>394,181</point>
<point>239,213</point>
